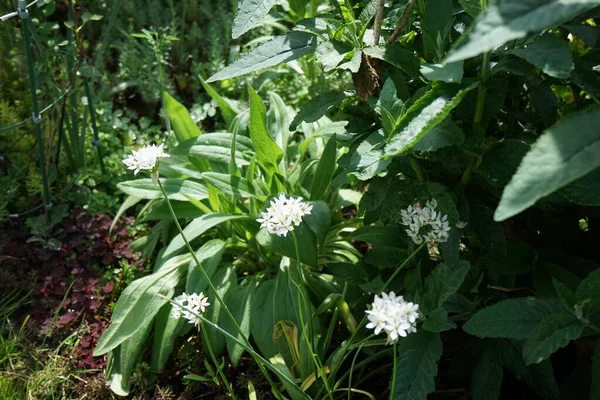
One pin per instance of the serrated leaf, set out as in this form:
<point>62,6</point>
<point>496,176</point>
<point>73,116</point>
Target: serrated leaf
<point>250,14</point>
<point>318,107</point>
<point>396,55</point>
<point>511,319</point>
<point>450,73</point>
<point>176,189</point>
<point>445,134</point>
<point>486,380</point>
<point>427,112</point>
<point>364,160</point>
<point>279,50</point>
<point>443,282</point>
<point>552,333</point>
<point>556,159</point>
<point>416,368</point>
<point>513,19</point>
<point>389,106</point>
<point>549,53</point>
<point>437,321</point>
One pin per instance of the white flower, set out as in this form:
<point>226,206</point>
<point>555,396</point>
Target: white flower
<point>188,305</point>
<point>145,159</point>
<point>283,215</point>
<point>393,315</point>
<point>425,224</point>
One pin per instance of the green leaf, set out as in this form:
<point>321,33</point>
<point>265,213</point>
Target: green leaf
<point>472,7</point>
<point>227,109</point>
<point>389,106</point>
<point>215,147</point>
<point>138,304</point>
<point>318,107</point>
<point>584,191</point>
<point>427,112</point>
<point>122,360</point>
<point>239,302</point>
<point>443,282</point>
<point>450,73</point>
<point>330,53</point>
<point>278,120</point>
<point>589,34</point>
<point>223,280</point>
<point>230,185</point>
<point>511,319</point>
<point>262,322</point>
<point>445,134</point>
<point>183,125</point>
<point>267,152</point>
<point>250,14</point>
<point>436,24</point>
<point>396,55</point>
<point>556,159</point>
<point>364,160</point>
<point>595,389</point>
<point>552,333</point>
<point>325,170</point>
<point>166,329</point>
<point>209,255</point>
<point>319,221</point>
<point>160,211</point>
<point>486,380</point>
<point>588,295</point>
<point>284,246</point>
<point>513,19</point>
<point>279,50</point>
<point>566,296</point>
<point>437,321</point>
<point>549,53</point>
<point>418,354</point>
<point>196,228</point>
<point>176,189</point>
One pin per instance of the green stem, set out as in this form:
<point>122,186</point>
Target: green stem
<point>401,267</point>
<point>417,168</point>
<point>208,280</point>
<point>214,359</point>
<point>96,141</point>
<point>393,388</point>
<point>34,105</point>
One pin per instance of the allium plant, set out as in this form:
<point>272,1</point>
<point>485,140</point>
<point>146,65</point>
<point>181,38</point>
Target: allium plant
<point>425,224</point>
<point>188,306</point>
<point>393,315</point>
<point>284,214</point>
<point>146,158</point>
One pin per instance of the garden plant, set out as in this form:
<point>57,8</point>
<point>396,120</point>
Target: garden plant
<point>374,199</point>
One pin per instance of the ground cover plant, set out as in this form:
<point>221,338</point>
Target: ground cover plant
<point>389,200</point>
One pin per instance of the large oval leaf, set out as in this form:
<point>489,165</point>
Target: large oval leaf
<point>176,189</point>
<point>250,14</point>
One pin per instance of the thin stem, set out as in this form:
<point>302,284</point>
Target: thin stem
<point>377,24</point>
<point>214,359</point>
<point>417,168</point>
<point>407,11</point>
<point>210,284</point>
<point>393,388</point>
<point>96,142</point>
<point>401,267</point>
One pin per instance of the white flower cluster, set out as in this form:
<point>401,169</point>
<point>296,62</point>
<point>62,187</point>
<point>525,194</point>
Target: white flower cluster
<point>283,215</point>
<point>145,159</point>
<point>425,224</point>
<point>393,315</point>
<point>187,305</point>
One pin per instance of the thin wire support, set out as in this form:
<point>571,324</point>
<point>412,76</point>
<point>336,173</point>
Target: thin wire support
<point>96,142</point>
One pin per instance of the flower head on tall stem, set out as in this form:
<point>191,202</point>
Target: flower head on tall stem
<point>188,305</point>
<point>283,215</point>
<point>393,315</point>
<point>145,159</point>
<point>425,224</point>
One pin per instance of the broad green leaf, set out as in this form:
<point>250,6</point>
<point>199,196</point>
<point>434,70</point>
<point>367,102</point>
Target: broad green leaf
<point>447,133</point>
<point>122,360</point>
<point>389,106</point>
<point>196,228</point>
<point>588,295</point>
<point>437,321</point>
<point>552,333</point>
<point>223,280</point>
<point>556,159</point>
<point>418,354</point>
<point>472,7</point>
<point>176,189</point>
<point>330,53</point>
<point>566,296</point>
<point>396,55</point>
<point>325,169</point>
<point>250,14</point>
<point>262,322</point>
<point>278,120</point>
<point>138,304</point>
<point>209,256</point>
<point>160,211</point>
<point>318,107</point>
<point>227,109</point>
<point>511,319</point>
<point>588,33</point>
<point>549,53</point>
<point>364,160</point>
<point>268,154</point>
<point>486,380</point>
<point>427,112</point>
<point>239,302</point>
<point>584,191</point>
<point>307,243</point>
<point>178,167</point>
<point>230,185</point>
<point>507,20</point>
<point>443,282</point>
<point>595,389</point>
<point>166,329</point>
<point>450,73</point>
<point>319,221</point>
<point>279,50</point>
<point>215,147</point>
<point>183,125</point>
